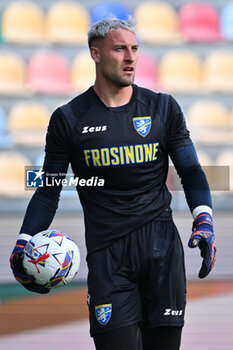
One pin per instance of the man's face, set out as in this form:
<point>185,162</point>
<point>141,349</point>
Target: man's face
<point>117,59</point>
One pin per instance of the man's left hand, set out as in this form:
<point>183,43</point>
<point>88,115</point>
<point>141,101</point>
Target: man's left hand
<point>203,237</point>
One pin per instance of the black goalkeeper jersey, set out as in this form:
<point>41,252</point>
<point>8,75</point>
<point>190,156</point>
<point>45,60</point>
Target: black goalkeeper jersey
<point>127,147</point>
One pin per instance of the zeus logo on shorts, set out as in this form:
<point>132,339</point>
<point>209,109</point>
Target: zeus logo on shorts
<point>103,313</point>
<point>170,312</point>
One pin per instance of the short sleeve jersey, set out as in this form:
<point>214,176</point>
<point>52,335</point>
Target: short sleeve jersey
<point>125,151</point>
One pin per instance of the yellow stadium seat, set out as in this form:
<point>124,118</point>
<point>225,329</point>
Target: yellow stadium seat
<point>12,170</point>
<point>23,23</point>
<point>209,121</point>
<point>82,72</point>
<point>180,71</point>
<point>28,123</point>
<point>218,71</point>
<point>208,113</point>
<point>12,73</point>
<point>67,23</point>
<point>157,22</point>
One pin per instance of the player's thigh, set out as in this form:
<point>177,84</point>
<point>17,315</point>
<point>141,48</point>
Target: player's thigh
<point>114,300</point>
<point>125,338</point>
<point>161,338</point>
<point>164,297</point>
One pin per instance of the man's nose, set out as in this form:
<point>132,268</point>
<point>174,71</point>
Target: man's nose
<point>129,56</point>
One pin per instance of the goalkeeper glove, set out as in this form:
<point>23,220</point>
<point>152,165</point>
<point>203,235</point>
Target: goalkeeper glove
<point>203,237</point>
<point>17,268</point>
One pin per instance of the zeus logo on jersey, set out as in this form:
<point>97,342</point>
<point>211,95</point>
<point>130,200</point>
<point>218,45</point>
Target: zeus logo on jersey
<point>121,155</point>
<point>94,129</point>
<point>142,125</point>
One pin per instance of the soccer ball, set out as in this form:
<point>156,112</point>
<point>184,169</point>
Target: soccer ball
<point>52,257</point>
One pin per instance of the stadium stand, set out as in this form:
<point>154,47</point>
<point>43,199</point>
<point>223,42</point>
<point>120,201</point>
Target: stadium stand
<point>105,9</point>
<point>206,317</point>
<point>3,122</point>
<point>1,38</point>
<point>225,158</point>
<point>231,117</point>
<point>12,73</point>
<point>54,65</point>
<point>226,20</point>
<point>218,71</point>
<point>5,141</point>
<point>147,72</point>
<point>180,71</point>
<point>23,23</point>
<point>48,73</point>
<point>67,23</point>
<point>230,126</point>
<point>204,158</point>
<point>199,22</point>
<point>28,122</point>
<point>217,176</point>
<point>82,72</point>
<point>209,115</point>
<point>157,22</point>
<point>12,170</point>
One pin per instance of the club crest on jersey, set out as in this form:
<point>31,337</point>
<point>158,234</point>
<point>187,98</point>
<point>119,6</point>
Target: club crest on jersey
<point>142,125</point>
<point>103,313</point>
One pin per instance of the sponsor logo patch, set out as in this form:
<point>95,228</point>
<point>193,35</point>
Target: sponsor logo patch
<point>89,129</point>
<point>170,312</point>
<point>142,125</point>
<point>103,313</point>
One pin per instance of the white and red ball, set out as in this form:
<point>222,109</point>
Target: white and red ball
<point>52,257</point>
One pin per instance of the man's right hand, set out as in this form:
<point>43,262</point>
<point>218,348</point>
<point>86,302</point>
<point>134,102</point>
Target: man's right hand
<point>20,275</point>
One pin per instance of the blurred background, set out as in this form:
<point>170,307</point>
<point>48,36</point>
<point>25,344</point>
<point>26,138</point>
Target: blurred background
<point>186,50</point>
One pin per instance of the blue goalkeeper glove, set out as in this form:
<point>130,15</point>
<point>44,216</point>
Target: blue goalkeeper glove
<point>203,237</point>
<point>17,268</point>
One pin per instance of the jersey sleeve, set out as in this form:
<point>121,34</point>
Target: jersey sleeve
<point>58,139</point>
<point>177,133</point>
<point>43,204</point>
<point>193,178</point>
<point>183,155</point>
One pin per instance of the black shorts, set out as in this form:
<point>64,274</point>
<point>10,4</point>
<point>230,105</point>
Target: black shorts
<point>139,279</point>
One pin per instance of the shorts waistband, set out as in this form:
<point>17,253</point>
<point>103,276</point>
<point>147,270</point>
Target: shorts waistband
<point>165,215</point>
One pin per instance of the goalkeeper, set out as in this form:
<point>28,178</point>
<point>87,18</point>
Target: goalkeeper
<point>125,134</point>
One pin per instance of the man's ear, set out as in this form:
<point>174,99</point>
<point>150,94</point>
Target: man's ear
<point>94,51</point>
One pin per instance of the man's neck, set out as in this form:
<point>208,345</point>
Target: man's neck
<point>113,96</point>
